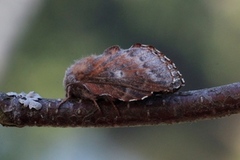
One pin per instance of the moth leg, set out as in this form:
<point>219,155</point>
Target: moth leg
<point>111,100</point>
<point>115,108</point>
<point>66,98</point>
<point>99,109</point>
<point>95,103</point>
<point>89,115</point>
<point>63,101</point>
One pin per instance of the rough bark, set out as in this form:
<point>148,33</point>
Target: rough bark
<point>186,106</point>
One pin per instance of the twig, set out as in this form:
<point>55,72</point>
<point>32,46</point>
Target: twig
<point>158,109</point>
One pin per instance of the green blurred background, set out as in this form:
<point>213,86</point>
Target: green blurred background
<point>201,37</point>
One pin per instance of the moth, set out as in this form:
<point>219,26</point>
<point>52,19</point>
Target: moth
<point>124,74</point>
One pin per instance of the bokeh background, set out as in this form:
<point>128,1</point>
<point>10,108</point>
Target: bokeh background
<point>40,39</point>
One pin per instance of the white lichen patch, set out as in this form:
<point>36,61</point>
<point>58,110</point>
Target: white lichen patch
<point>27,99</point>
<point>35,105</point>
<point>33,95</point>
<point>12,94</point>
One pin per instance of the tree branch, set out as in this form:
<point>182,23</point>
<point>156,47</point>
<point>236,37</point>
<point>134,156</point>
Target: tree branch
<point>184,106</point>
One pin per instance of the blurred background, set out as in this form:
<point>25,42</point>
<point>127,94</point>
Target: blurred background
<point>40,39</point>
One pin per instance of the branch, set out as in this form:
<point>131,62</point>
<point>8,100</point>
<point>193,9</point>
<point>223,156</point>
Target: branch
<point>184,106</point>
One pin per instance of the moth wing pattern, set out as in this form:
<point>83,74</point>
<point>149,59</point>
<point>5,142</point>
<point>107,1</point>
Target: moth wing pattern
<point>132,74</point>
<point>117,92</point>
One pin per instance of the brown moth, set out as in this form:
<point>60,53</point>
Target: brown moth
<point>124,74</point>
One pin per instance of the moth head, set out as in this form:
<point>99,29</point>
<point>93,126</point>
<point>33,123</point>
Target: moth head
<point>78,71</point>
<point>69,77</point>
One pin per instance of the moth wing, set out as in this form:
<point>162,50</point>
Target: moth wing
<point>141,69</point>
<point>138,68</point>
<point>112,50</point>
<point>104,58</point>
<point>118,92</point>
